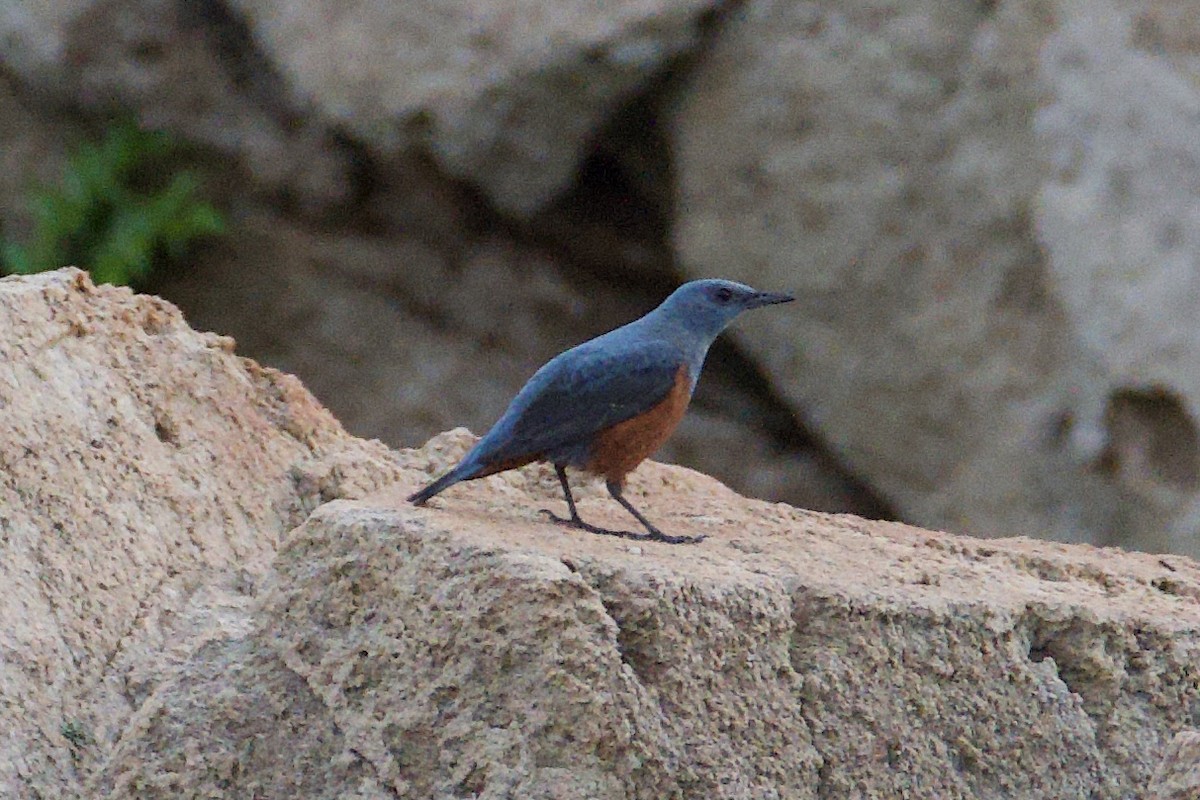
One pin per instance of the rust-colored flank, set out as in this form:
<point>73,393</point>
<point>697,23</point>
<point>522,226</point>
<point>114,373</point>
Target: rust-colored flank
<point>618,450</point>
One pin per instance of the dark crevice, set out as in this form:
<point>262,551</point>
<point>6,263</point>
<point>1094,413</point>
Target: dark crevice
<point>1076,650</point>
<point>360,171</point>
<point>635,640</point>
<point>802,642</point>
<point>252,73</point>
<point>1151,437</point>
<point>165,430</point>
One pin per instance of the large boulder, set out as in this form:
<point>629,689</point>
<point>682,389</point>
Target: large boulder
<point>506,94</point>
<point>1118,213</point>
<point>1178,776</point>
<point>147,475</point>
<point>473,649</point>
<point>942,183</point>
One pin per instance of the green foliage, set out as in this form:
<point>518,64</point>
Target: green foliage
<point>112,213</point>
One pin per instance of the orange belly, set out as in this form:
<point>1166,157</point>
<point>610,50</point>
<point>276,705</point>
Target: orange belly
<point>618,450</point>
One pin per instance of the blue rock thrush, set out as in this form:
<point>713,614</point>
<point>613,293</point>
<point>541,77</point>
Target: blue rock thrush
<point>607,404</point>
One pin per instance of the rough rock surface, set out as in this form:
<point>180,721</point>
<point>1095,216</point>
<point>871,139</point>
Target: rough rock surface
<point>507,94</point>
<point>1178,776</point>
<point>146,477</point>
<point>472,649</point>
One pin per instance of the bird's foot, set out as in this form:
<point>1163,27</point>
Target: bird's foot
<point>652,535</point>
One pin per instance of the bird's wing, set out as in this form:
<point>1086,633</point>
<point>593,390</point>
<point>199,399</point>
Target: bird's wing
<point>580,393</point>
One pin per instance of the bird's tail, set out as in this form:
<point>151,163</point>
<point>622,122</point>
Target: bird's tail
<point>462,472</point>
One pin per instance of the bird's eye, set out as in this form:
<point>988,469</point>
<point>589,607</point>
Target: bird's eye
<point>724,294</point>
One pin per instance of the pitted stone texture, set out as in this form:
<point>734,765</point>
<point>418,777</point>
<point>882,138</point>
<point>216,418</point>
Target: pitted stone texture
<point>471,648</point>
<point>146,476</point>
<point>1178,776</point>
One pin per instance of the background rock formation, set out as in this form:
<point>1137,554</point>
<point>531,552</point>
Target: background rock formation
<point>989,209</point>
<point>166,632</point>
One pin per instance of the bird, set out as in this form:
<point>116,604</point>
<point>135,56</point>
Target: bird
<point>606,405</point>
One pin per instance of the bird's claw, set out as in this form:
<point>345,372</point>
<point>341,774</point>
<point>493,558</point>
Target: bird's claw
<point>653,535</point>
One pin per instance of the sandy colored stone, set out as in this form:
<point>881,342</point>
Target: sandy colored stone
<point>146,477</point>
<point>505,94</point>
<point>472,649</point>
<point>1178,776</point>
<point>212,590</point>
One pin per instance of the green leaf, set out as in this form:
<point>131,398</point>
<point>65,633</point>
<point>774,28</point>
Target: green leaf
<point>102,217</point>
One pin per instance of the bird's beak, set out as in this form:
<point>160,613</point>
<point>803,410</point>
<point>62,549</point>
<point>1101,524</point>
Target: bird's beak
<point>761,299</point>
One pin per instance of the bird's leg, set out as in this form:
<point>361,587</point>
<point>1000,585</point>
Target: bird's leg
<point>576,522</point>
<point>615,489</point>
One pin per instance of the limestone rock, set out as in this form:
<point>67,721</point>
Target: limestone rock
<point>946,186</point>
<point>163,633</point>
<point>472,649</point>
<point>503,93</point>
<point>146,477</point>
<point>876,157</point>
<point>1119,214</point>
<point>1178,776</point>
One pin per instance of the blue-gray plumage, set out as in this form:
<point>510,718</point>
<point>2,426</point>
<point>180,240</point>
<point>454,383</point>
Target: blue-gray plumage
<point>608,403</point>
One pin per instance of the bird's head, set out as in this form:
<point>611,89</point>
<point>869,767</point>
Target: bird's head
<point>706,307</point>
